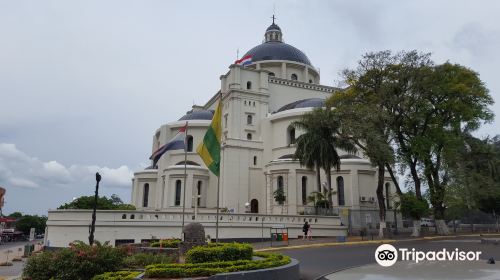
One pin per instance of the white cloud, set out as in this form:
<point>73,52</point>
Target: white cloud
<point>23,183</point>
<point>21,170</point>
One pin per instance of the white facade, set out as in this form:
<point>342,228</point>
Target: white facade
<point>260,101</point>
<point>256,144</point>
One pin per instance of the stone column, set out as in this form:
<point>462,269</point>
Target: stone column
<point>283,70</point>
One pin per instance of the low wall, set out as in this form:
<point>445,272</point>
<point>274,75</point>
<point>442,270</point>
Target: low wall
<point>290,271</point>
<point>121,227</point>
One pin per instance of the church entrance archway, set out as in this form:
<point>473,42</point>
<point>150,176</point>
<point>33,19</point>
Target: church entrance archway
<point>254,206</point>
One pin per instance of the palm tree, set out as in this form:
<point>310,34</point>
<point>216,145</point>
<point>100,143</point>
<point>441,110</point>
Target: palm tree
<point>320,199</point>
<point>317,147</point>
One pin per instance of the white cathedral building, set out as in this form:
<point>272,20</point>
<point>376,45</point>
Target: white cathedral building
<point>259,103</point>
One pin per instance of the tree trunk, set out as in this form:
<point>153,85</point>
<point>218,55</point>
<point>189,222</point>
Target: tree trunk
<point>394,180</point>
<point>381,200</point>
<point>318,177</point>
<point>436,190</point>
<point>441,227</point>
<point>328,171</point>
<point>416,179</point>
<point>416,229</point>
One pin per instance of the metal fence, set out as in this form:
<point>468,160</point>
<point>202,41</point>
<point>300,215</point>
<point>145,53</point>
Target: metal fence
<point>474,221</point>
<point>366,221</point>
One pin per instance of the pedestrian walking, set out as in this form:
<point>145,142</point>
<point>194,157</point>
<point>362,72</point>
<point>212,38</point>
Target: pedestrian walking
<point>309,233</point>
<point>305,229</point>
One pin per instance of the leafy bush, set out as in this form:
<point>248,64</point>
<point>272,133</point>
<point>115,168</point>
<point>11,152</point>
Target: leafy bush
<point>219,252</point>
<point>166,243</point>
<point>143,259</point>
<point>413,207</point>
<point>117,275</point>
<point>79,262</point>
<point>211,268</point>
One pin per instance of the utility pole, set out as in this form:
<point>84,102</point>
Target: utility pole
<point>92,226</point>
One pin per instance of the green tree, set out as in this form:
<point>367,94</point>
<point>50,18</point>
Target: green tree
<point>454,103</point>
<point>366,116</point>
<point>475,178</point>
<point>103,203</point>
<point>319,143</point>
<point>427,109</point>
<point>25,223</point>
<point>413,207</point>
<point>16,215</point>
<point>320,200</point>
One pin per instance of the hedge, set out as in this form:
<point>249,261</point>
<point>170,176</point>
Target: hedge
<point>78,262</point>
<point>140,260</point>
<point>166,243</point>
<point>211,268</point>
<point>117,275</point>
<point>219,252</point>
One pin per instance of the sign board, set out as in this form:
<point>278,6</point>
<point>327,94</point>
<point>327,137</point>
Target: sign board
<point>32,234</point>
<point>368,218</point>
<point>278,226</point>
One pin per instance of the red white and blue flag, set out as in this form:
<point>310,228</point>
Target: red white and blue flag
<point>244,60</point>
<point>176,143</point>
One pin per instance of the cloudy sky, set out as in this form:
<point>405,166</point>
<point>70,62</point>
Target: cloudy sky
<point>84,84</point>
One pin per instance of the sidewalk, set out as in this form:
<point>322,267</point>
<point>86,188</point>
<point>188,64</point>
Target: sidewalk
<point>352,240</point>
<point>17,250</point>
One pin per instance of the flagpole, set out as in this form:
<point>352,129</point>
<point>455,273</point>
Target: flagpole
<point>217,215</point>
<point>218,192</point>
<point>185,180</point>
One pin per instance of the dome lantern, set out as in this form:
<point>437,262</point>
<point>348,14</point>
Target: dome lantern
<point>273,33</point>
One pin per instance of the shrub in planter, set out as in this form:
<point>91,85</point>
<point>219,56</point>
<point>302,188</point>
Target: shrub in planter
<point>219,252</point>
<point>211,268</point>
<point>166,243</point>
<point>140,260</point>
<point>79,262</point>
<point>117,275</point>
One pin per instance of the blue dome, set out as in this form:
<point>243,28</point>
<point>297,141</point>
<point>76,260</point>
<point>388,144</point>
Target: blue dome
<point>304,103</point>
<point>198,115</point>
<point>273,26</point>
<point>275,50</point>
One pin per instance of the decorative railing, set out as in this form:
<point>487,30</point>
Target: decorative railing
<point>159,216</point>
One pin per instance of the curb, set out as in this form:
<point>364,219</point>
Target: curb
<point>331,244</point>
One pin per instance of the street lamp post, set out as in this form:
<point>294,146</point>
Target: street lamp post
<point>92,226</point>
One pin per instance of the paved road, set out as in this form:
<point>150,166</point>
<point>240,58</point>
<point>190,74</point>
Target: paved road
<point>17,267</point>
<point>315,262</point>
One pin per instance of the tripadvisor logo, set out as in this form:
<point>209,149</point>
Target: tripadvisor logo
<point>387,255</point>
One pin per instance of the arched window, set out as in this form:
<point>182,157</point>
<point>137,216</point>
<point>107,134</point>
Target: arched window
<point>198,192</point>
<point>310,81</point>
<point>271,74</point>
<point>255,160</point>
<point>291,135</point>
<point>340,190</point>
<point>304,190</point>
<point>388,195</point>
<point>145,195</point>
<point>178,188</point>
<point>254,206</point>
<point>189,140</point>
<point>280,186</point>
<point>294,77</point>
<point>249,136</point>
<point>249,119</point>
<point>249,85</point>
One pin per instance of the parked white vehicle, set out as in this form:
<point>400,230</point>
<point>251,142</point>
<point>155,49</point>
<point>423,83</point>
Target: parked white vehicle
<point>426,222</point>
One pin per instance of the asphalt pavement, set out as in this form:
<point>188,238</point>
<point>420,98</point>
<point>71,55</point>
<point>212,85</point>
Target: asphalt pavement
<point>318,261</point>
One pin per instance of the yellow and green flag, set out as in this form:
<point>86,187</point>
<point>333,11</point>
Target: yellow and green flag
<point>209,149</point>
